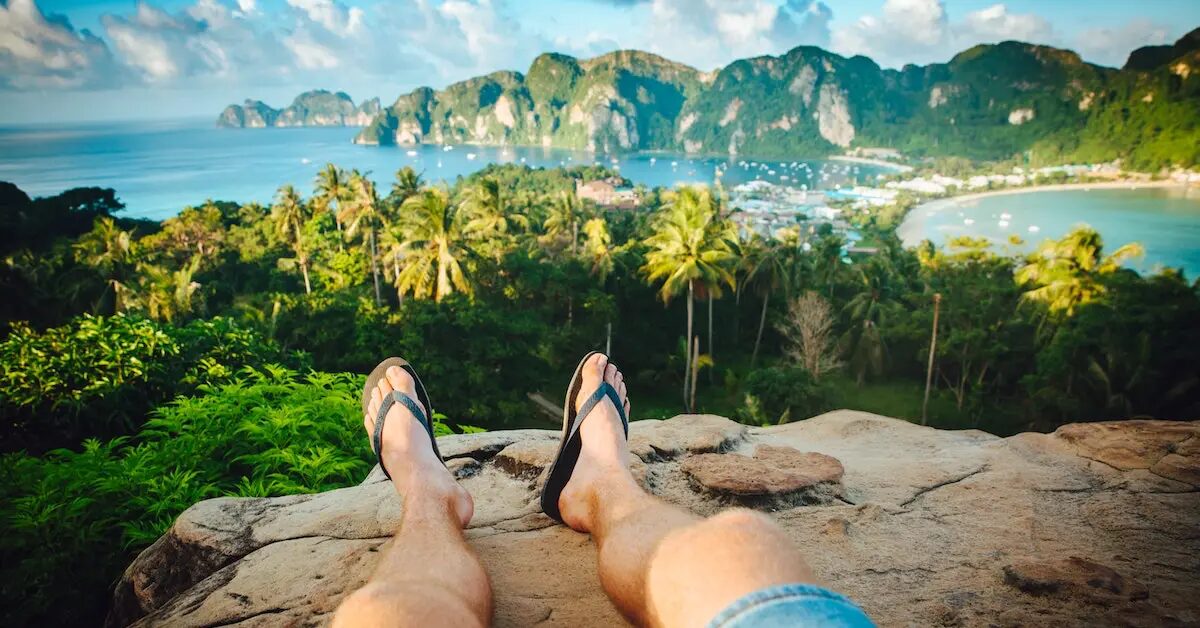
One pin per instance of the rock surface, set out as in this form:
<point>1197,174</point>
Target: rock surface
<point>1096,524</point>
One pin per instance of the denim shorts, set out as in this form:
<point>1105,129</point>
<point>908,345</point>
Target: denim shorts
<point>792,605</point>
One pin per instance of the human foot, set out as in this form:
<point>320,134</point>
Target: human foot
<point>407,453</point>
<point>604,451</point>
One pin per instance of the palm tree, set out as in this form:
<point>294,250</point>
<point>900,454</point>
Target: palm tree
<point>487,211</point>
<point>110,250</point>
<point>434,239</point>
<point>866,311</point>
<point>290,213</point>
<point>363,211</point>
<point>564,220</point>
<point>768,272</point>
<point>331,192</point>
<point>689,246</point>
<point>1066,273</point>
<point>407,185</point>
<point>598,252</point>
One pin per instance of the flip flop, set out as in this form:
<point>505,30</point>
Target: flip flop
<point>572,442</point>
<point>420,407</point>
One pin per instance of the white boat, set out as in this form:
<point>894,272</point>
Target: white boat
<point>1002,224</point>
<point>471,156</point>
<point>968,221</point>
<point>652,160</point>
<point>1034,229</point>
<point>439,165</point>
<point>306,161</point>
<point>447,148</point>
<point>674,164</point>
<point>1006,216</point>
<point>411,153</point>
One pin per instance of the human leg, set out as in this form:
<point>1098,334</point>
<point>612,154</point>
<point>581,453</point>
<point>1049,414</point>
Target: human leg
<point>428,576</point>
<point>660,564</point>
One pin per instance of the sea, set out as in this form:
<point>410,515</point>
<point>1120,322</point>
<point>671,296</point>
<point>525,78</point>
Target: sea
<point>158,168</point>
<point>1165,221</point>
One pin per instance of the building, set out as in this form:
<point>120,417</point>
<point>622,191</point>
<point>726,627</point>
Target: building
<point>610,192</point>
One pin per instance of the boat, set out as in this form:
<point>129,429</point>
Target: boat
<point>447,148</point>
<point>1034,229</point>
<point>470,156</point>
<point>411,153</point>
<point>968,221</point>
<point>1002,224</point>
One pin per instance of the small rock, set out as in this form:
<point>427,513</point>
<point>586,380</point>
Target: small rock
<point>527,457</point>
<point>654,441</point>
<point>774,474</point>
<point>463,467</point>
<point>1073,577</point>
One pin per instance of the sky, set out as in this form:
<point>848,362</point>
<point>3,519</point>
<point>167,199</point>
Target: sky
<point>80,60</point>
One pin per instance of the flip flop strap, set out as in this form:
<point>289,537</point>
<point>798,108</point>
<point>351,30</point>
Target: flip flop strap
<point>388,401</point>
<point>605,390</point>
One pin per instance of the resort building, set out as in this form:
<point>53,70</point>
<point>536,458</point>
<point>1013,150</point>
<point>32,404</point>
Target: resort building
<point>610,192</point>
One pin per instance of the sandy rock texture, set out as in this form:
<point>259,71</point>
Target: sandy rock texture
<point>1096,524</point>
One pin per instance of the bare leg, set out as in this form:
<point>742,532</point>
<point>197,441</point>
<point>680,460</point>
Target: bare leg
<point>429,576</point>
<point>661,565</point>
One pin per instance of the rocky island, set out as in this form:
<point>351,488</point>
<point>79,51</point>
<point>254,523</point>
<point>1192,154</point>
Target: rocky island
<point>990,101</point>
<point>312,108</point>
<point>1094,524</point>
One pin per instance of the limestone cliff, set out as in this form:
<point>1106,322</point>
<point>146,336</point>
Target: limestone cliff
<point>1095,524</point>
<point>313,108</point>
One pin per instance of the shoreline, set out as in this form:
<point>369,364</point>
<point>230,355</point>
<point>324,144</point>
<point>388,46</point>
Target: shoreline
<point>940,203</point>
<point>1055,187</point>
<point>882,163</point>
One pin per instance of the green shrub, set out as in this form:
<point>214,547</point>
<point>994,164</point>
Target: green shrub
<point>74,519</point>
<point>99,376</point>
<point>780,394</point>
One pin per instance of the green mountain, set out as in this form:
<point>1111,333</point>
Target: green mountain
<point>314,108</point>
<point>988,102</point>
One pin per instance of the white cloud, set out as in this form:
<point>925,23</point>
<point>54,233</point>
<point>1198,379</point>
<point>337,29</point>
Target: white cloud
<point>331,15</point>
<point>995,23</point>
<point>39,51</point>
<point>920,31</point>
<point>710,33</point>
<point>1111,46</point>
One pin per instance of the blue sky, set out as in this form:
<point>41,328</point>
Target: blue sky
<point>119,59</point>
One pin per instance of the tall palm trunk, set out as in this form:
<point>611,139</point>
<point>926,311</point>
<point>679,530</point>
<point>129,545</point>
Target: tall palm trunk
<point>303,261</point>
<point>937,301</point>
<point>762,322</point>
<point>711,345</point>
<point>687,373</point>
<point>396,269</point>
<point>375,266</point>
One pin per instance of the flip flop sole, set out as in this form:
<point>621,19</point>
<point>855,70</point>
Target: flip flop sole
<point>380,372</point>
<point>568,449</point>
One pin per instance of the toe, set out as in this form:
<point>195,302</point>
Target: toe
<point>399,379</point>
<point>373,407</point>
<point>610,374</point>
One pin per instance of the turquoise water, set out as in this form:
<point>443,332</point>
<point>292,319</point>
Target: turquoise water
<point>1166,221</point>
<point>157,168</point>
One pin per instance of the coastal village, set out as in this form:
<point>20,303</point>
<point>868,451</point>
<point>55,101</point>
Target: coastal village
<point>798,197</point>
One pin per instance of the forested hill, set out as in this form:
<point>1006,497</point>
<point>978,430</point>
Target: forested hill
<point>988,102</point>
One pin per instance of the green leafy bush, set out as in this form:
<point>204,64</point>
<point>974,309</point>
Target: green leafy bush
<point>74,519</point>
<point>780,394</point>
<point>99,376</point>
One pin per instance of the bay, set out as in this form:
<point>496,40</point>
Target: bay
<point>1164,220</point>
<point>157,168</point>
